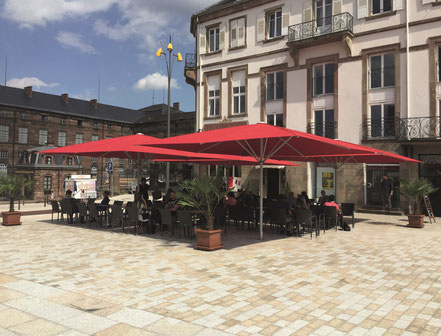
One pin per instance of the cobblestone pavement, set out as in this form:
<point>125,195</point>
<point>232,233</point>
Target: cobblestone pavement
<point>380,278</point>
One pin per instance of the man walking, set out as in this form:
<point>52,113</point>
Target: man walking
<point>387,187</point>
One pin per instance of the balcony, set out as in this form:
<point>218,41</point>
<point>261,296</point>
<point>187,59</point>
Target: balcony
<point>324,129</point>
<point>330,29</point>
<point>190,69</point>
<point>421,128</point>
<point>380,129</point>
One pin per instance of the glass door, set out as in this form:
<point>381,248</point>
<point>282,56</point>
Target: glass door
<point>374,175</point>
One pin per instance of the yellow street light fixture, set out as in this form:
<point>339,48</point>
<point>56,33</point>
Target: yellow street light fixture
<point>159,52</point>
<point>179,56</point>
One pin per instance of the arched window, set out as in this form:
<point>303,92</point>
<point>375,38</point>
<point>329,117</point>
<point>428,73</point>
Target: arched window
<point>69,161</point>
<point>48,160</point>
<point>3,169</point>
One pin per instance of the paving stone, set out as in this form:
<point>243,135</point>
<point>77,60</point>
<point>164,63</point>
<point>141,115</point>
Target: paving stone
<point>13,317</point>
<point>38,327</point>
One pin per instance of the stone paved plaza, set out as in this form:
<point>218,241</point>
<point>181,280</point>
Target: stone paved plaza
<point>380,278</point>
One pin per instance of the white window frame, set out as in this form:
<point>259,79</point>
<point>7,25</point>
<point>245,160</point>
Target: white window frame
<point>22,135</point>
<point>3,154</point>
<point>323,79</point>
<point>235,26</point>
<point>323,122</point>
<point>95,137</point>
<point>79,136</point>
<point>47,182</point>
<point>276,16</point>
<point>324,23</point>
<point>213,35</point>
<point>382,85</point>
<point>239,93</point>
<point>274,85</point>
<point>48,159</point>
<point>3,169</point>
<point>69,161</point>
<point>382,11</point>
<point>273,116</point>
<point>383,128</point>
<point>43,137</point>
<point>62,137</point>
<point>214,96</point>
<point>438,61</point>
<point>4,133</point>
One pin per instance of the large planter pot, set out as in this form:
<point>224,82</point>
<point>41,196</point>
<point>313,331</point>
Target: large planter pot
<point>208,240</point>
<point>416,221</point>
<point>11,218</point>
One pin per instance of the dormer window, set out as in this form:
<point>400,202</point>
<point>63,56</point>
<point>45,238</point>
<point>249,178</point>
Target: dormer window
<point>48,160</point>
<point>69,161</point>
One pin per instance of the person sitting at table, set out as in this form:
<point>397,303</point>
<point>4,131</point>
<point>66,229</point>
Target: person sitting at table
<point>303,202</point>
<point>282,203</point>
<point>331,202</point>
<point>69,198</point>
<point>166,198</point>
<point>323,198</point>
<point>292,200</point>
<point>106,199</point>
<point>230,200</point>
<point>156,194</point>
<point>172,204</point>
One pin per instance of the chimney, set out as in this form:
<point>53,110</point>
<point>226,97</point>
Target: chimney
<point>176,106</point>
<point>65,97</point>
<point>28,91</point>
<point>94,103</point>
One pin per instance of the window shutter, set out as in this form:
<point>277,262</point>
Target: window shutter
<point>362,8</point>
<point>307,11</point>
<point>260,27</point>
<point>425,2</point>
<point>222,36</point>
<point>398,5</point>
<point>202,41</point>
<point>336,7</point>
<point>240,33</point>
<point>233,34</point>
<point>285,19</point>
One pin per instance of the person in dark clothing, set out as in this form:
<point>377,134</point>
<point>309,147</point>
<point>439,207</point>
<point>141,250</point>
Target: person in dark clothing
<point>142,192</point>
<point>68,196</point>
<point>106,199</point>
<point>387,188</point>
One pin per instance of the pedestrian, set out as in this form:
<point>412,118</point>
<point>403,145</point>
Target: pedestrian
<point>142,192</point>
<point>387,188</point>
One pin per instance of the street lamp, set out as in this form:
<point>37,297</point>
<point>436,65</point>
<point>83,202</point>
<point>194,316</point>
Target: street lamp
<point>169,61</point>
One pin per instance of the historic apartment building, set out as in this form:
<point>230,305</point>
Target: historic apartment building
<point>33,121</point>
<point>364,71</point>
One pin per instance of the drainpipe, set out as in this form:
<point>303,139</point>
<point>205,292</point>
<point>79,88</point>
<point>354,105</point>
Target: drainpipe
<point>407,61</point>
<point>198,120</point>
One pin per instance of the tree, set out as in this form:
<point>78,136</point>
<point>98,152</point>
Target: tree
<point>414,191</point>
<point>12,186</point>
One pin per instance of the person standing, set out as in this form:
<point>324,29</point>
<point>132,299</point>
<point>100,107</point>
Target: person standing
<point>387,187</point>
<point>142,192</point>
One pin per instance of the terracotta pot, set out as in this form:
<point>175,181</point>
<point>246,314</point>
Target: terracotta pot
<point>416,221</point>
<point>11,218</point>
<point>208,240</point>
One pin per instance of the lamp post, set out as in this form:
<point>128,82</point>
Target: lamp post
<point>169,61</point>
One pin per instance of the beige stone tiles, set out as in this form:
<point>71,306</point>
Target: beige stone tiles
<point>381,278</point>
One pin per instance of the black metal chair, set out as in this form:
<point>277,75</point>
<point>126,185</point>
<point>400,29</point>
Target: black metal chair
<point>347,210</point>
<point>133,217</point>
<point>166,221</point>
<point>280,220</point>
<point>185,222</point>
<point>304,218</point>
<point>117,216</point>
<point>220,218</point>
<point>66,208</point>
<point>331,216</point>
<point>94,214</point>
<point>118,203</point>
<point>82,211</point>
<point>319,211</point>
<point>55,209</point>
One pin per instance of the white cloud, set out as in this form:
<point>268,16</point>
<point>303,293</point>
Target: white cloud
<point>31,13</point>
<point>155,81</point>
<point>29,81</point>
<point>76,41</point>
<point>111,89</point>
<point>86,94</point>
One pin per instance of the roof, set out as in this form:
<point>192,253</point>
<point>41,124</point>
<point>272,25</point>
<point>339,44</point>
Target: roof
<point>14,97</point>
<point>163,117</point>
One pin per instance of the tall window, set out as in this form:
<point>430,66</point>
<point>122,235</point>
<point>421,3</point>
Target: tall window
<point>22,135</point>
<point>438,62</point>
<point>274,86</point>
<point>79,137</point>
<point>323,15</point>
<point>214,83</point>
<point>237,33</point>
<point>239,92</point>
<point>323,80</point>
<point>380,6</point>
<point>3,154</point>
<point>324,123</point>
<point>4,133</point>
<point>382,120</point>
<point>382,71</point>
<point>47,182</point>
<point>3,169</point>
<point>61,138</point>
<point>42,137</point>
<point>213,39</point>
<point>274,24</point>
<point>275,119</point>
<point>62,121</point>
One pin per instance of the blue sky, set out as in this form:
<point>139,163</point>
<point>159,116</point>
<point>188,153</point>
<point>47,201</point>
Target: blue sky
<point>64,46</point>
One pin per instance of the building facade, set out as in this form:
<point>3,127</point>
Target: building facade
<point>33,121</point>
<point>364,71</point>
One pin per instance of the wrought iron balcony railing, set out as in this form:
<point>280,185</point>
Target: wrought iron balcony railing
<point>377,128</point>
<point>327,25</point>
<point>420,128</point>
<point>190,61</point>
<point>324,129</point>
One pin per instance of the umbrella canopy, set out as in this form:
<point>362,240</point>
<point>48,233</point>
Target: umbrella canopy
<point>238,161</point>
<point>338,160</point>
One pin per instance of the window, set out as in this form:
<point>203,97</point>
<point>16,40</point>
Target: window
<point>380,6</point>
<point>382,120</point>
<point>438,62</point>
<point>214,83</point>
<point>382,71</point>
<point>274,24</point>
<point>23,115</point>
<point>239,92</point>
<point>3,169</point>
<point>61,138</point>
<point>323,80</point>
<point>95,125</point>
<point>323,15</point>
<point>79,123</point>
<point>44,118</point>
<point>324,123</point>
<point>48,160</point>
<point>95,137</point>
<point>237,33</point>
<point>93,170</point>
<point>4,113</point>
<point>22,135</point>
<point>274,86</point>
<point>213,39</point>
<point>42,137</point>
<point>275,119</point>
<point>4,133</point>
<point>62,121</point>
<point>69,161</point>
<point>109,126</point>
<point>47,182</point>
<point>79,137</point>
<point>3,154</point>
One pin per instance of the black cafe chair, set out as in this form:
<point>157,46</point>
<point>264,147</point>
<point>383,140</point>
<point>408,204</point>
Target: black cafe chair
<point>347,210</point>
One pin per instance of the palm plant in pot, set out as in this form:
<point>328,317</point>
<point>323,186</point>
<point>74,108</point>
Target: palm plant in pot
<point>12,187</point>
<point>414,191</point>
<point>204,193</point>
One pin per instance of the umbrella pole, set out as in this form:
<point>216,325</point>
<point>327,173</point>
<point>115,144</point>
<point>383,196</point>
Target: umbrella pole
<point>261,199</point>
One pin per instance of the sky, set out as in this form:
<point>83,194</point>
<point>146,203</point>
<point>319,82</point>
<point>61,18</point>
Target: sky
<point>77,46</point>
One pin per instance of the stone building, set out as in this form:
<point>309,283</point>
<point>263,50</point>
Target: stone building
<point>30,121</point>
<point>364,71</point>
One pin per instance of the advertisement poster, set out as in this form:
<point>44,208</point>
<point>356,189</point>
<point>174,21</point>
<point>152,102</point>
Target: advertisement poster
<point>327,180</point>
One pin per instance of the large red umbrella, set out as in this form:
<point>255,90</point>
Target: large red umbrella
<point>263,142</point>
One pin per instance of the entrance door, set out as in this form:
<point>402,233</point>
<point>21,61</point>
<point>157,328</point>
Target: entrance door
<point>326,180</point>
<point>431,170</point>
<point>374,175</point>
<point>272,183</point>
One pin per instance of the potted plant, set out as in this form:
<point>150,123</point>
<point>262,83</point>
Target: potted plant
<point>203,193</point>
<point>12,187</point>
<point>414,191</point>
